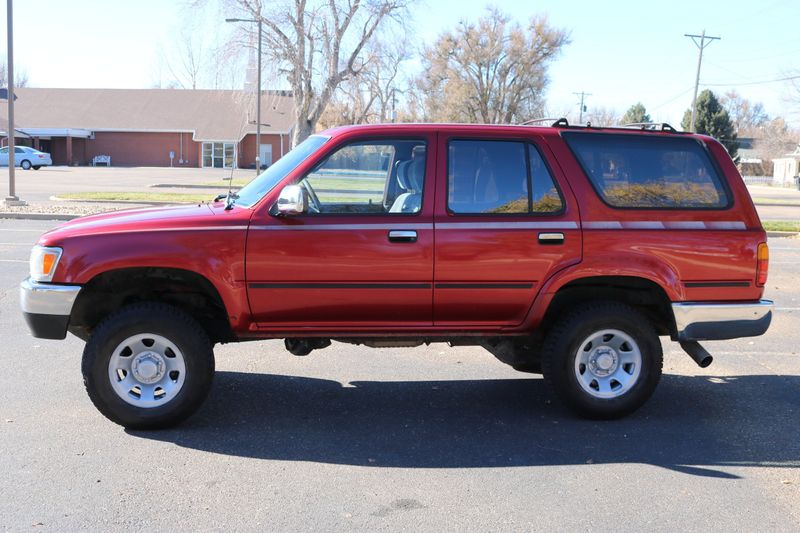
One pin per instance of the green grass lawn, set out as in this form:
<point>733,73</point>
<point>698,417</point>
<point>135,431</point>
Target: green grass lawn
<point>782,225</point>
<point>100,196</point>
<point>775,201</point>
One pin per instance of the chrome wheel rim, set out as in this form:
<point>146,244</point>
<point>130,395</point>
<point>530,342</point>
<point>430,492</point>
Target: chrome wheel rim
<point>147,370</point>
<point>608,363</point>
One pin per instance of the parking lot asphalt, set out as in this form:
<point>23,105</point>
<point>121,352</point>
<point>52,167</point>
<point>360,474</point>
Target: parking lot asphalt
<point>431,438</point>
<point>39,185</point>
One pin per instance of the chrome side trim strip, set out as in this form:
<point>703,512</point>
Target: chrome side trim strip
<point>46,299</point>
<point>507,225</point>
<point>666,224</point>
<point>399,225</point>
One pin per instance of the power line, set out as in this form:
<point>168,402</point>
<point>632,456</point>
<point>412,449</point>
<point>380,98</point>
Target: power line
<point>762,82</point>
<point>701,45</point>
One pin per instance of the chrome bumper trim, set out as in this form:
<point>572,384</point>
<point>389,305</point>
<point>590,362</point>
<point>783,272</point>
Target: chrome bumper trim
<point>719,321</point>
<point>47,299</point>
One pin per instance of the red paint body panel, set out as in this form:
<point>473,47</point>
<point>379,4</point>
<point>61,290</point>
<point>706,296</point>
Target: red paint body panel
<point>472,250</point>
<point>428,281</point>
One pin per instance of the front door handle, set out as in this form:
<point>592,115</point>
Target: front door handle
<point>401,235</point>
<point>551,238</point>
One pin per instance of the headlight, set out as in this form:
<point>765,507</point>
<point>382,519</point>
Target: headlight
<point>44,261</point>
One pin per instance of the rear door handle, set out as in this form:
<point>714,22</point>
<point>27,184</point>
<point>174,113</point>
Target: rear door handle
<point>401,235</point>
<point>551,238</point>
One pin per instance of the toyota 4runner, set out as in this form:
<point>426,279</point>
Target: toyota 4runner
<point>562,250</point>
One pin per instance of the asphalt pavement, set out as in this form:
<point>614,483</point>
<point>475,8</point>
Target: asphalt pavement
<point>432,438</point>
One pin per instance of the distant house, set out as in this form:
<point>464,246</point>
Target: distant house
<point>152,127</point>
<point>786,168</point>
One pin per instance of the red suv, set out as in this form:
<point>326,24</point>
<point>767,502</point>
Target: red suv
<point>562,250</point>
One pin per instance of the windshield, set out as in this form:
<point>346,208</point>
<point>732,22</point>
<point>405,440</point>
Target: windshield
<point>267,180</point>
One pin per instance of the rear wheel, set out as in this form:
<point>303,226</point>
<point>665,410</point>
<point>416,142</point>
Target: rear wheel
<point>148,366</point>
<point>26,165</point>
<point>603,360</point>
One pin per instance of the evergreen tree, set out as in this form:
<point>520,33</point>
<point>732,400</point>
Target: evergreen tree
<point>637,114</point>
<point>712,119</point>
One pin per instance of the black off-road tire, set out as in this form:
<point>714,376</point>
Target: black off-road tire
<point>159,319</point>
<point>561,347</point>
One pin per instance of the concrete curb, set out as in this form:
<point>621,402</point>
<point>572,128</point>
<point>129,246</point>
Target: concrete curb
<point>37,216</point>
<point>179,186</point>
<point>778,234</point>
<point>122,202</point>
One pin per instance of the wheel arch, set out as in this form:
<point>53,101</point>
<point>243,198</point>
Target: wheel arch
<point>642,293</point>
<point>187,290</point>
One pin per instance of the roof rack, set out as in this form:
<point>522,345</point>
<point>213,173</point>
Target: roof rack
<point>644,126</point>
<point>537,120</point>
<point>654,126</point>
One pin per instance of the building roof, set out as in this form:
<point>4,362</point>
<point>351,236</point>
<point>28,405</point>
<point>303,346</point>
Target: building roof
<point>210,115</point>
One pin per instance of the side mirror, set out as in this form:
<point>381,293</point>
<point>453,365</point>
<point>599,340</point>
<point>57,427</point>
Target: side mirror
<point>292,200</point>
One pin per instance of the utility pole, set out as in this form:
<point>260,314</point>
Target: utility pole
<point>583,107</point>
<point>12,198</point>
<point>701,44</point>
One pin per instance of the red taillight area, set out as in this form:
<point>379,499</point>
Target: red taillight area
<point>762,265</point>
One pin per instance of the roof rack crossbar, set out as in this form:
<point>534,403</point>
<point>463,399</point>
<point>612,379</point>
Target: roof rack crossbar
<point>537,120</point>
<point>659,126</point>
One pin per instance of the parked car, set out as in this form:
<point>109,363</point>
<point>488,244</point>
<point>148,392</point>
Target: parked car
<point>561,250</point>
<point>26,157</point>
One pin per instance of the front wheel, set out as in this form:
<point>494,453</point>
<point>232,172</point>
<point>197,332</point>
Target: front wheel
<point>603,360</point>
<point>148,366</point>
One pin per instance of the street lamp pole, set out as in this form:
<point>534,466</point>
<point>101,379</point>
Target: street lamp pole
<point>258,105</point>
<point>12,198</point>
<point>258,92</point>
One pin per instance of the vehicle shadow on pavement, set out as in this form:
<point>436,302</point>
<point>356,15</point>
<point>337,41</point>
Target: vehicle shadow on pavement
<point>693,425</point>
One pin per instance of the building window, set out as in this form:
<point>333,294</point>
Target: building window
<point>219,155</point>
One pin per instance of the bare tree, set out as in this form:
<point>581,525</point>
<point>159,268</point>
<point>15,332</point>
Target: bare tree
<point>188,61</point>
<point>603,117</point>
<point>20,76</point>
<point>319,44</point>
<point>776,139</point>
<point>370,96</point>
<point>745,115</point>
<point>492,71</point>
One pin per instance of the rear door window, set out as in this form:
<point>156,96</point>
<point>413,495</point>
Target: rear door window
<point>649,172</point>
<point>499,177</point>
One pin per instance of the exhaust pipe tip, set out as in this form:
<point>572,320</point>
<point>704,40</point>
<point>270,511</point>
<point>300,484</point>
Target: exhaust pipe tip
<point>698,354</point>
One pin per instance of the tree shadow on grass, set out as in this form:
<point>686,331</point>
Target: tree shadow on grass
<point>694,425</point>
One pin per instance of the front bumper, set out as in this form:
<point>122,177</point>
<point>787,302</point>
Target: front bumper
<point>703,321</point>
<point>47,307</point>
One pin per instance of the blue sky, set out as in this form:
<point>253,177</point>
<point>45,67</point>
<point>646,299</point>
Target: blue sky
<point>621,51</point>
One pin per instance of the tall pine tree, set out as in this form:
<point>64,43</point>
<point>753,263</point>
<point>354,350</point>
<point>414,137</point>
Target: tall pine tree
<point>712,119</point>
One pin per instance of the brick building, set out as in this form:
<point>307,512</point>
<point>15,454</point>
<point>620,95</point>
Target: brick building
<point>152,127</point>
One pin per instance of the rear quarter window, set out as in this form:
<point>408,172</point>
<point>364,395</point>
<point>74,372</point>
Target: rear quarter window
<point>648,172</point>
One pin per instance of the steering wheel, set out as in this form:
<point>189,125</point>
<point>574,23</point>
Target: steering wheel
<point>314,205</point>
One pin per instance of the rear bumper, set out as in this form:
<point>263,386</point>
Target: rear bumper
<point>47,307</point>
<point>703,321</point>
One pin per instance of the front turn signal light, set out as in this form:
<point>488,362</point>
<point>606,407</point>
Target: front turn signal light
<point>762,264</point>
<point>43,262</point>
